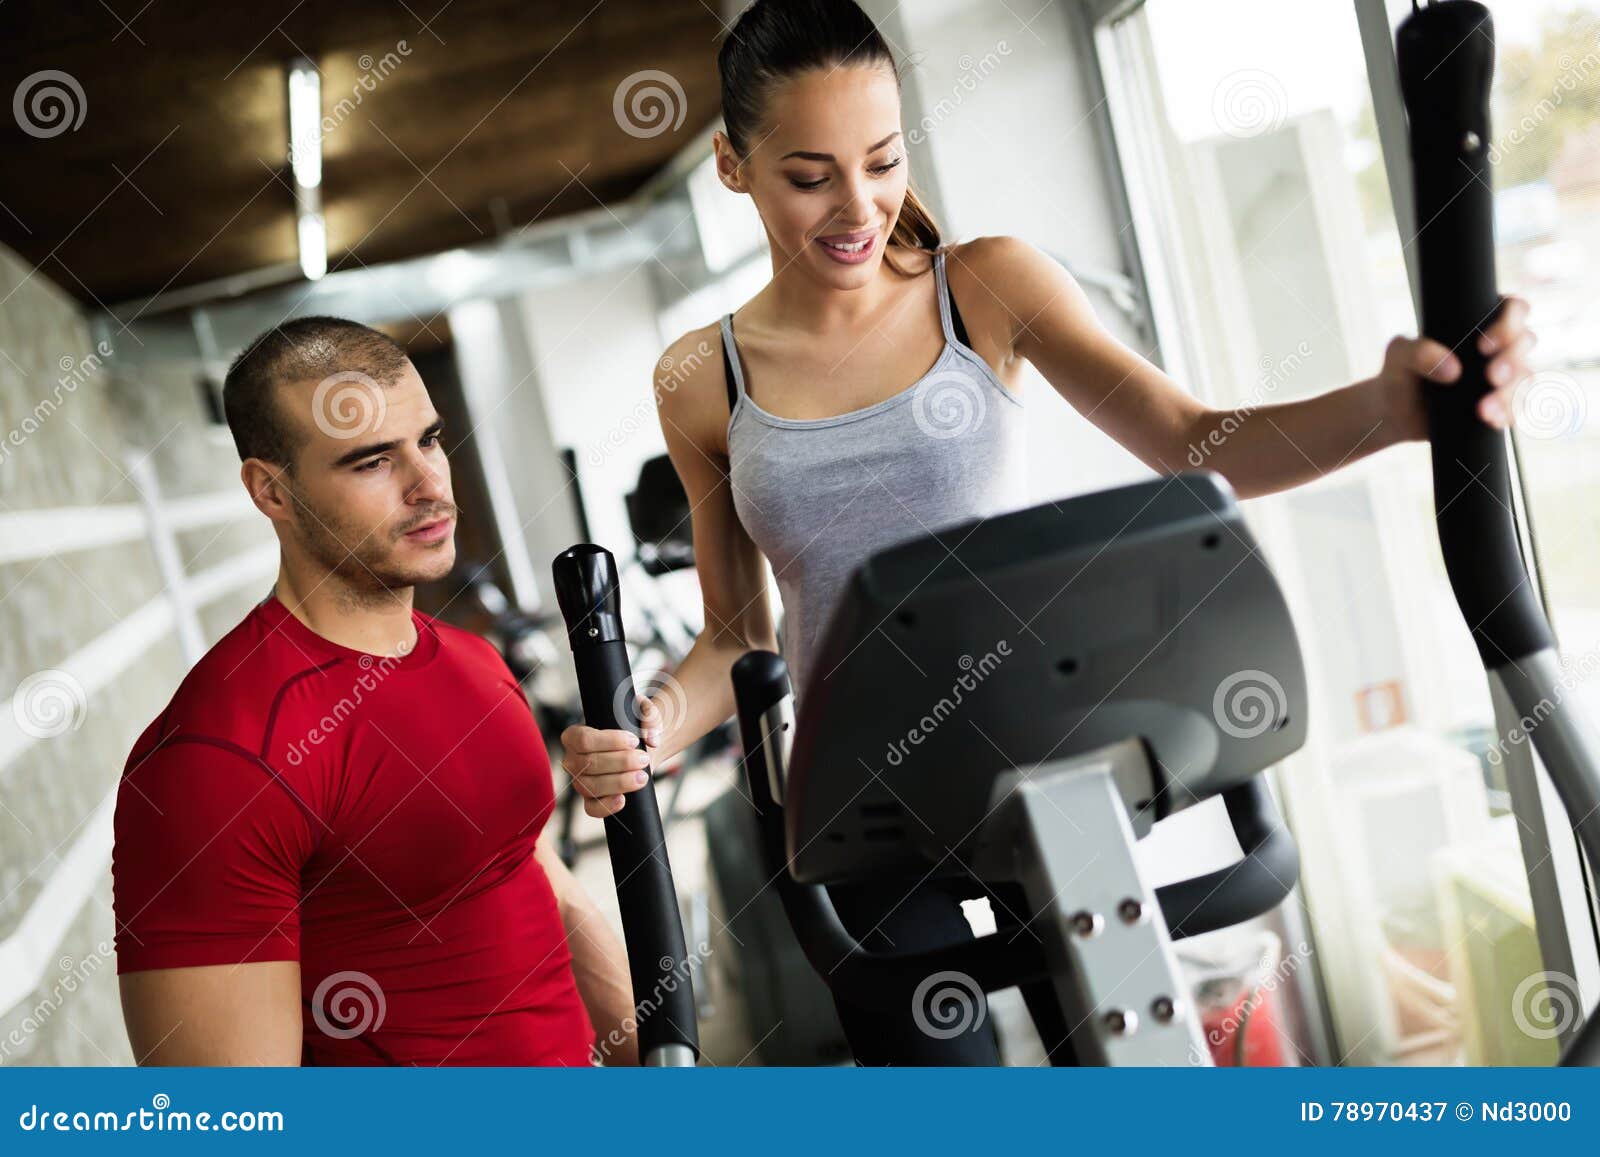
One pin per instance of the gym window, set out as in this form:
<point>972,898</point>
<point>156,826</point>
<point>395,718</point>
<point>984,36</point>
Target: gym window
<point>1258,140</point>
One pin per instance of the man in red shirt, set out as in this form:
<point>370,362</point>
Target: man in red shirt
<point>328,846</point>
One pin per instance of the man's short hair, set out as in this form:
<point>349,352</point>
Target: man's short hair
<point>305,349</point>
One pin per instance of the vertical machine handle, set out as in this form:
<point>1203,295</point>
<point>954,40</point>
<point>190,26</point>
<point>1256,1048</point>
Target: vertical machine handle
<point>591,603</point>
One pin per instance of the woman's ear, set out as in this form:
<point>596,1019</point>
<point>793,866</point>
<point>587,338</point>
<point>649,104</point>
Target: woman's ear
<point>729,168</point>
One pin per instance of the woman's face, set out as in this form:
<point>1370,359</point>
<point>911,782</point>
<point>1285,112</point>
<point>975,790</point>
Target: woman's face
<point>830,173</point>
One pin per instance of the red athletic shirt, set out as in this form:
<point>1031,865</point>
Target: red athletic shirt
<point>373,818</point>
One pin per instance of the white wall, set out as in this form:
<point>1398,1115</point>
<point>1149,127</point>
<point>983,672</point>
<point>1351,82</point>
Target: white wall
<point>596,344</point>
<point>503,387</point>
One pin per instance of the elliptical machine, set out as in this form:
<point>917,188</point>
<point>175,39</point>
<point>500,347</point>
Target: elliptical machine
<point>1087,668</point>
<point>1152,743</point>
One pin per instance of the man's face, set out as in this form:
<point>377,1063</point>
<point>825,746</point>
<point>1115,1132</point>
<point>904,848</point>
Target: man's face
<point>371,484</point>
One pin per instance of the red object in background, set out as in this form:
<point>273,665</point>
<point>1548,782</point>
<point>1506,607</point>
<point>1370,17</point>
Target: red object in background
<point>1245,1034</point>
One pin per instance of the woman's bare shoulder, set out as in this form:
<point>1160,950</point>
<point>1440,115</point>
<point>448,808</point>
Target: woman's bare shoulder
<point>691,387</point>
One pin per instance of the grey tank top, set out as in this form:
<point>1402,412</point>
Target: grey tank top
<point>819,496</point>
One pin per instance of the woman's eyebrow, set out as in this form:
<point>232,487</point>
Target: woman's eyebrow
<point>830,157</point>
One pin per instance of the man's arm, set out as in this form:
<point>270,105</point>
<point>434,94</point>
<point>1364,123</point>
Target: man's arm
<point>599,962</point>
<point>221,1014</point>
<point>206,870</point>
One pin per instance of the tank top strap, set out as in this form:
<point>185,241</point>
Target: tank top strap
<point>732,370</point>
<point>955,330</point>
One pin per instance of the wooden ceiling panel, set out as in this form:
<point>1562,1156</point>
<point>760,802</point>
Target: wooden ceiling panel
<point>178,172</point>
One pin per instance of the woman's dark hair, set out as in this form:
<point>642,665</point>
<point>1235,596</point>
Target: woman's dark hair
<point>776,40</point>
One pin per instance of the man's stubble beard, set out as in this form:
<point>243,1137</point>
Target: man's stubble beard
<point>359,555</point>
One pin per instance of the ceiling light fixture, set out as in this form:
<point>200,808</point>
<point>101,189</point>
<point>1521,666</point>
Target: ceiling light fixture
<point>305,161</point>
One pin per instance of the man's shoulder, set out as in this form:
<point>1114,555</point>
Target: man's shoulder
<point>229,695</point>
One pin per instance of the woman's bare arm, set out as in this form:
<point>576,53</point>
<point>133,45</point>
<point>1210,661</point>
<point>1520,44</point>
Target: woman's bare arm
<point>733,584</point>
<point>1260,448</point>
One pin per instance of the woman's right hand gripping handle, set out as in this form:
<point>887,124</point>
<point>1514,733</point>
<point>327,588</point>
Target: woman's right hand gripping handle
<point>606,765</point>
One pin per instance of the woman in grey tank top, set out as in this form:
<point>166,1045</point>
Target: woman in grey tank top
<point>794,452</point>
<point>820,495</point>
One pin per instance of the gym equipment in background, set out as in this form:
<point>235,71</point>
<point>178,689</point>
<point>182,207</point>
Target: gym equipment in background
<point>663,544</point>
<point>787,1010</point>
<point>658,965</point>
<point>658,516</point>
<point>1445,53</point>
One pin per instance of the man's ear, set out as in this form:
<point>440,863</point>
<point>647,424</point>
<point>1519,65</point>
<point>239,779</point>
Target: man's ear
<point>263,481</point>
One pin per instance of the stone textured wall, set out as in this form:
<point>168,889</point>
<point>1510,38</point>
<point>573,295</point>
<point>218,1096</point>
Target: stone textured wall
<point>73,415</point>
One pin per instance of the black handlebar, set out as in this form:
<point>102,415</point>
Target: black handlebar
<point>1446,59</point>
<point>587,591</point>
<point>1255,885</point>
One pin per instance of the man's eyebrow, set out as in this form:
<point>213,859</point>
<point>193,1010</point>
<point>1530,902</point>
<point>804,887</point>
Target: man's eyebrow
<point>830,157</point>
<point>350,457</point>
<point>360,452</point>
